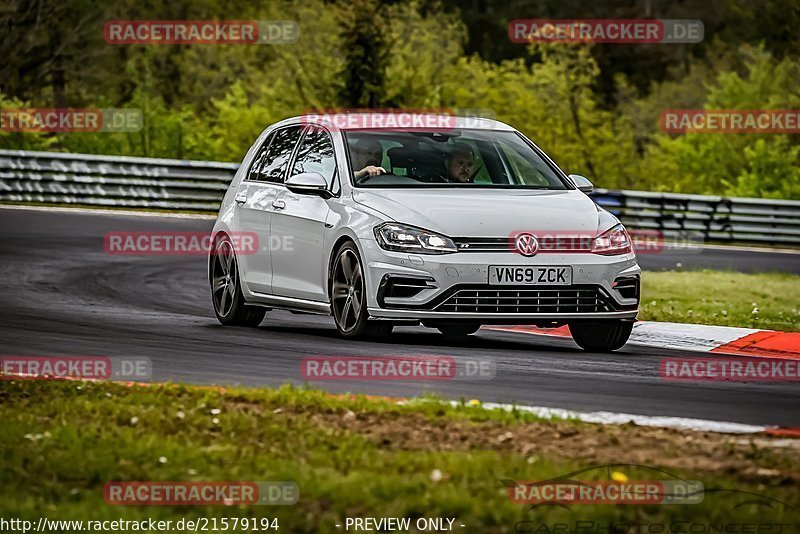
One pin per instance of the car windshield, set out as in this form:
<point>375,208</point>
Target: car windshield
<point>452,158</point>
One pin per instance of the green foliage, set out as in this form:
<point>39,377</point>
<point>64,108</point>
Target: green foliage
<point>770,171</point>
<point>211,101</point>
<point>232,124</point>
<point>422,48</point>
<point>23,140</point>
<point>758,165</point>
<point>553,103</point>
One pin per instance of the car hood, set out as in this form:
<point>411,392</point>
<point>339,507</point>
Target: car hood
<point>485,213</point>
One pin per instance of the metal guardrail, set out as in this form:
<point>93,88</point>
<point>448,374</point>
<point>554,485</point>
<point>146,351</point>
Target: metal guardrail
<point>52,177</point>
<point>117,181</point>
<point>706,218</point>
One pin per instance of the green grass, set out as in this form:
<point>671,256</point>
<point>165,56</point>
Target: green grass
<point>764,300</point>
<point>61,441</point>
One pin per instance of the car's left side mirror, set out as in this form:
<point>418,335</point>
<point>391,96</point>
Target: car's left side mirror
<point>308,183</point>
<point>582,183</point>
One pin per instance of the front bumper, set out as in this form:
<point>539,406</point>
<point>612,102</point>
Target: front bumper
<point>429,283</point>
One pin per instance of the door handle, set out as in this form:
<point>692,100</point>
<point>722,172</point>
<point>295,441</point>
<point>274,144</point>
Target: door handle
<point>241,198</point>
<point>278,204</point>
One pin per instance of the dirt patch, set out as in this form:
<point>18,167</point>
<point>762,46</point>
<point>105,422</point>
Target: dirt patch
<point>752,459</point>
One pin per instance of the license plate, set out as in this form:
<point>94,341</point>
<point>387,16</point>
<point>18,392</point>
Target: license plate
<point>530,276</point>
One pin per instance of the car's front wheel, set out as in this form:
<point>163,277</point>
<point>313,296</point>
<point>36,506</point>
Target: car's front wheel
<point>226,291</point>
<point>349,297</point>
<point>601,336</point>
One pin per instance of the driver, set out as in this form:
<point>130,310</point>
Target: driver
<point>366,156</point>
<point>460,163</point>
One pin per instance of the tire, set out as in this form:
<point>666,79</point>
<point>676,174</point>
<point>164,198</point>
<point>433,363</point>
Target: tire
<point>458,330</point>
<point>601,336</point>
<point>226,291</point>
<point>349,297</point>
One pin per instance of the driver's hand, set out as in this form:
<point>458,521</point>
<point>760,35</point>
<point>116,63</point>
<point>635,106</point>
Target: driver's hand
<point>370,170</point>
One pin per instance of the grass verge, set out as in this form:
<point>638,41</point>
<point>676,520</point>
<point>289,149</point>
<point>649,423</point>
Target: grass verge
<point>763,300</point>
<point>358,457</point>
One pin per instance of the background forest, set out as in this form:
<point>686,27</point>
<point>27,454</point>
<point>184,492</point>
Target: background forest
<point>594,108</point>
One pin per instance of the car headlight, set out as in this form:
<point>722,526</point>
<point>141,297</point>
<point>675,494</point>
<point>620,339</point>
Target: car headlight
<point>404,238</point>
<point>612,242</point>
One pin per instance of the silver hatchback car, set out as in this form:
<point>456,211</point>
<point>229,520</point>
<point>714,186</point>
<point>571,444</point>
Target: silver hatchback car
<point>452,223</point>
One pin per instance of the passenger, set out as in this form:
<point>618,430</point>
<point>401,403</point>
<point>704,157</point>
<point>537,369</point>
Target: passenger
<point>366,156</point>
<point>460,163</point>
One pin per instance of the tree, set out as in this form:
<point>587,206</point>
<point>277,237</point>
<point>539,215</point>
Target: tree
<point>756,164</point>
<point>366,54</point>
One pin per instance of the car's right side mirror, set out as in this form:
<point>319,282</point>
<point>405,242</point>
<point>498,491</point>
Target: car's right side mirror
<point>582,183</point>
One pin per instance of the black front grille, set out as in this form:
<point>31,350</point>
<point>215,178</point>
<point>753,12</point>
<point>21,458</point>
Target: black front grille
<point>555,300</point>
<point>484,244</point>
<point>556,242</point>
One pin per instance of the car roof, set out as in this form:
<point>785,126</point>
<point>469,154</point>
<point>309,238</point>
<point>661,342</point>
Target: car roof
<point>415,120</point>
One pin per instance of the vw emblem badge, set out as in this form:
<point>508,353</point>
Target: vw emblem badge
<point>526,244</point>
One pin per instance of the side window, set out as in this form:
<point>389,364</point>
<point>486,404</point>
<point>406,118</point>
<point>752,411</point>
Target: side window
<point>316,155</point>
<point>277,156</point>
<point>258,160</point>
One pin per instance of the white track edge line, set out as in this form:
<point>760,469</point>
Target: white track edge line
<point>645,339</point>
<point>613,418</point>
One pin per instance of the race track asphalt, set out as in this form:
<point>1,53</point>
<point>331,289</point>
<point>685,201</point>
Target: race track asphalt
<point>62,294</point>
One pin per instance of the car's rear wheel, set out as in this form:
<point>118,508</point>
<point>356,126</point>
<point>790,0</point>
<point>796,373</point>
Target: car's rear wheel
<point>601,336</point>
<point>349,297</point>
<point>226,292</point>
